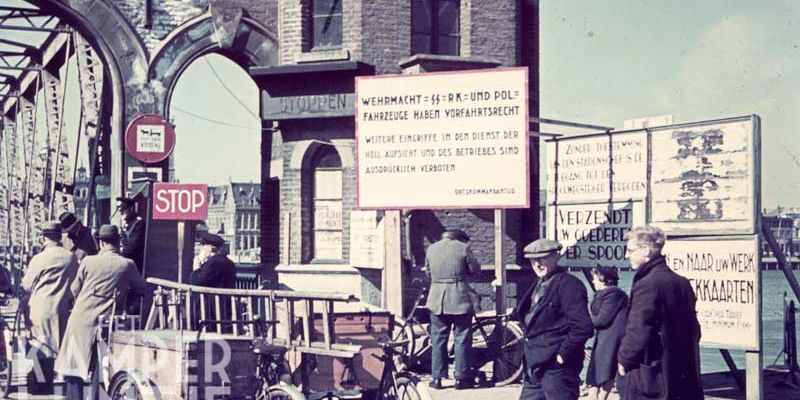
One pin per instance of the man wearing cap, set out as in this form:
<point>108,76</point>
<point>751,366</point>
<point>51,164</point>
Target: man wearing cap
<point>133,246</point>
<point>47,279</point>
<point>449,262</point>
<point>555,318</point>
<point>81,237</point>
<point>102,283</point>
<point>212,268</point>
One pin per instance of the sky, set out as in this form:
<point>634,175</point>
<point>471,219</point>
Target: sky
<point>602,62</point>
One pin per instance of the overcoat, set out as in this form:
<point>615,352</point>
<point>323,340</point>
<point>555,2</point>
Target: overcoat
<point>218,271</point>
<point>47,280</point>
<point>608,311</point>
<point>99,279</point>
<point>660,349</point>
<point>449,263</point>
<point>560,324</point>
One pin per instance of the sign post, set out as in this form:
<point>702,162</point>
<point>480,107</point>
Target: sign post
<point>180,202</point>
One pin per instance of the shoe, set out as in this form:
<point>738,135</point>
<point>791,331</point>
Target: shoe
<point>435,384</point>
<point>463,384</point>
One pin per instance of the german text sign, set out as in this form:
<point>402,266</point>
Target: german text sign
<point>443,140</point>
<point>725,278</point>
<point>149,138</point>
<point>180,201</point>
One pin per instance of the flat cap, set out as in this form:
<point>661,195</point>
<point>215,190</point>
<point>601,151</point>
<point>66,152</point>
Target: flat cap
<point>541,248</point>
<point>108,232</point>
<point>52,229</point>
<point>212,239</point>
<point>68,220</point>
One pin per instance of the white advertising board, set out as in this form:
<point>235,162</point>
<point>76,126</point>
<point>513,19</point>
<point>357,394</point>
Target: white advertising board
<point>584,172</point>
<point>725,277</point>
<point>703,178</point>
<point>594,234</point>
<point>366,239</point>
<point>443,140</point>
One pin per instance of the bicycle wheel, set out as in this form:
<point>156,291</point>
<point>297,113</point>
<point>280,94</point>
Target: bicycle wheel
<point>501,364</point>
<point>407,389</point>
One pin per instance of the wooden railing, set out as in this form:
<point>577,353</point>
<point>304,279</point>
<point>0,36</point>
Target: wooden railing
<point>289,316</point>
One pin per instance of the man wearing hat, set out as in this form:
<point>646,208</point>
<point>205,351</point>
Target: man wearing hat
<point>212,268</point>
<point>100,288</point>
<point>449,262</point>
<point>81,237</point>
<point>47,280</point>
<point>555,318</point>
<point>133,246</point>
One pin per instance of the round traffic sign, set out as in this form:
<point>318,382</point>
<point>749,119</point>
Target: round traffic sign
<point>149,138</point>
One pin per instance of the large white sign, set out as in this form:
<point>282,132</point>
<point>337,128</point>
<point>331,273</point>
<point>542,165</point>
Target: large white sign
<point>725,278</point>
<point>580,169</point>
<point>594,234</point>
<point>443,140</point>
<point>702,178</point>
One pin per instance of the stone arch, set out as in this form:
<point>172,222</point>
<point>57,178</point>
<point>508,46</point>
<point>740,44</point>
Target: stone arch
<point>124,55</point>
<point>236,36</point>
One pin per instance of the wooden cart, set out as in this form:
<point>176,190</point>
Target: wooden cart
<point>197,342</point>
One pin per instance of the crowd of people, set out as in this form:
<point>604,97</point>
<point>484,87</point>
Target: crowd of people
<point>77,278</point>
<point>645,344</point>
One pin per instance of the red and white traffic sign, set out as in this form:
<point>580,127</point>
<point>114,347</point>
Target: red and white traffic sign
<point>149,138</point>
<point>180,201</point>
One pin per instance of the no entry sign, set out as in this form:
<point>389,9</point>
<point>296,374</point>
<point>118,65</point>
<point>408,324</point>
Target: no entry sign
<point>149,138</point>
<point>180,201</point>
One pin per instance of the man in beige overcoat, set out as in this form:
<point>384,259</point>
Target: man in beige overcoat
<point>47,280</point>
<point>450,261</point>
<point>100,288</point>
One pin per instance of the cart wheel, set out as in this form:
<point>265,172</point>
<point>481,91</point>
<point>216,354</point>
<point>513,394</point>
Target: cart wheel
<point>408,388</point>
<point>277,392</point>
<point>5,377</point>
<point>126,386</point>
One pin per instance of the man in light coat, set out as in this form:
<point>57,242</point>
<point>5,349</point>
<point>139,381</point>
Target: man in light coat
<point>47,280</point>
<point>449,262</point>
<point>100,288</point>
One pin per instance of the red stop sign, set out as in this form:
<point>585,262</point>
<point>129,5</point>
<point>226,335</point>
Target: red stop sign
<point>180,201</point>
<point>149,138</point>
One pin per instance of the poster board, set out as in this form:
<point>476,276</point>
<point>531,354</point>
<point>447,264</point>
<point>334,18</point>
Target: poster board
<point>438,140</point>
<point>366,239</point>
<point>725,276</point>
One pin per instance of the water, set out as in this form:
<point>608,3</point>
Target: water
<point>774,284</point>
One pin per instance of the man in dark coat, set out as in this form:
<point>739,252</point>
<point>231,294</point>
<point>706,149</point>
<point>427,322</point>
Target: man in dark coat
<point>449,262</point>
<point>212,268</point>
<point>660,351</point>
<point>133,245</point>
<point>83,243</point>
<point>554,315</point>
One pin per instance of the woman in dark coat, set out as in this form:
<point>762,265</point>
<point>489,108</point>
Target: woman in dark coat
<point>608,311</point>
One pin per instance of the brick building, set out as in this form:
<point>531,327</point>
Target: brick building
<point>233,213</point>
<point>323,45</point>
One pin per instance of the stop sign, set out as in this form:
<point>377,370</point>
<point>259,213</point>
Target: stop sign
<point>149,138</point>
<point>180,201</point>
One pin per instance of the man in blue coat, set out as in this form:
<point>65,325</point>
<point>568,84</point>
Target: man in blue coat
<point>554,315</point>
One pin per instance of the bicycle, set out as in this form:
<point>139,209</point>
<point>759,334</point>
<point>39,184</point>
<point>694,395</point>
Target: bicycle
<point>272,372</point>
<point>494,359</point>
<point>397,384</point>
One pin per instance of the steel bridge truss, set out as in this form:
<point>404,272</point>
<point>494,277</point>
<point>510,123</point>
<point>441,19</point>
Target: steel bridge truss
<point>37,164</point>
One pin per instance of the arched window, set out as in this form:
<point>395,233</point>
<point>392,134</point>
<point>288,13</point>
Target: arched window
<point>327,211</point>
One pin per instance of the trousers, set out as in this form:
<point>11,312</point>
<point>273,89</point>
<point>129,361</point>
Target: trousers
<point>440,332</point>
<point>551,382</point>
